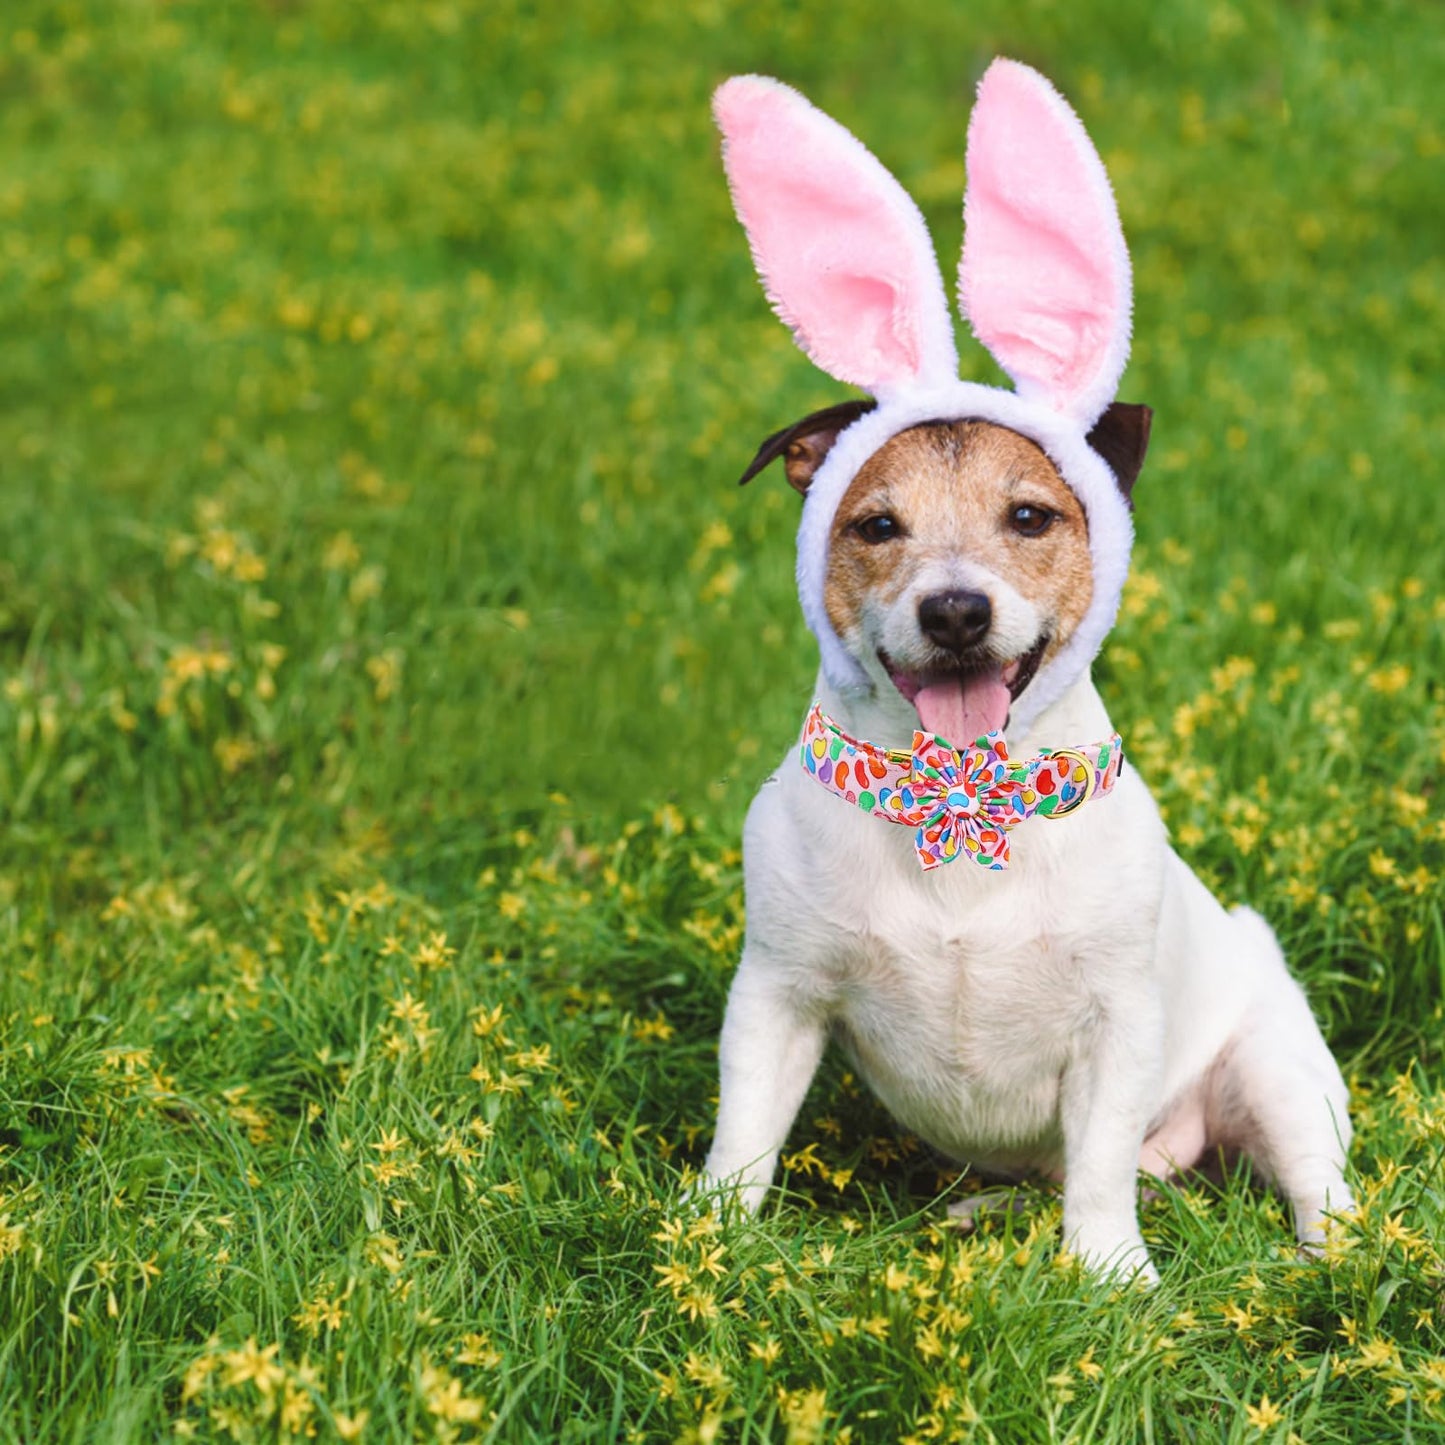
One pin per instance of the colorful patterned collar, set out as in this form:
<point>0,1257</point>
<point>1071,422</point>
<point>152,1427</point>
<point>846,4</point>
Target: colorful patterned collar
<point>960,803</point>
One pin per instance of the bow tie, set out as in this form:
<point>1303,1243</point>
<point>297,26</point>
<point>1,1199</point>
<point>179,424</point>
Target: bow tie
<point>961,802</point>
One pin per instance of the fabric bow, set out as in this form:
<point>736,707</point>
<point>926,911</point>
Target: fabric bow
<point>967,800</point>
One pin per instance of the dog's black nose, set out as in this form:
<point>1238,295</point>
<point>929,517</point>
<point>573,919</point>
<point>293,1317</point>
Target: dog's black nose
<point>956,621</point>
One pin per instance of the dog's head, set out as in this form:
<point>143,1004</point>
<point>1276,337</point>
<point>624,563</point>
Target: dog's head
<point>958,560</point>
<point>962,544</point>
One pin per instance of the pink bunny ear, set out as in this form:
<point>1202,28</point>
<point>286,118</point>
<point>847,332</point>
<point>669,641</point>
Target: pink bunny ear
<point>1044,279</point>
<point>843,252</point>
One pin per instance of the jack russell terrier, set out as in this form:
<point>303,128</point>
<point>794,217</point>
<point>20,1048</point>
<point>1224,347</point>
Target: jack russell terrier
<point>999,934</point>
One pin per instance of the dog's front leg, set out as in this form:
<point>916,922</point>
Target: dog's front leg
<point>1109,1091</point>
<point>770,1047</point>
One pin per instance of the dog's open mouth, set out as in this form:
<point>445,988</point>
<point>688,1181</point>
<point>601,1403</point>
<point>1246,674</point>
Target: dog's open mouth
<point>963,703</point>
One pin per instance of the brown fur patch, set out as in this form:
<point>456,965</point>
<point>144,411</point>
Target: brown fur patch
<point>952,487</point>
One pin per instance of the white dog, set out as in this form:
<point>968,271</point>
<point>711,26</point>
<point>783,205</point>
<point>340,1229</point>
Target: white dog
<point>1081,1007</point>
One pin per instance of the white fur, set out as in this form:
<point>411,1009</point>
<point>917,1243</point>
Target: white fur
<point>1050,1018</point>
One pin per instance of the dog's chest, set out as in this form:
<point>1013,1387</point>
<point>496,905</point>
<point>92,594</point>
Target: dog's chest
<point>961,1010</point>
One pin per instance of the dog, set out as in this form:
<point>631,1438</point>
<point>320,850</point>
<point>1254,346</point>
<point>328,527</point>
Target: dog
<point>1081,1007</point>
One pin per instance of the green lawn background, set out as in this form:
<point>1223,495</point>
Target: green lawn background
<point>385,642</point>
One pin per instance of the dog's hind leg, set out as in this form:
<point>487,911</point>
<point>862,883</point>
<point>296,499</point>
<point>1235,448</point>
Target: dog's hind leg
<point>767,1056</point>
<point>1276,1091</point>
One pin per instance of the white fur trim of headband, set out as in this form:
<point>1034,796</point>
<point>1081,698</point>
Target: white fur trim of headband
<point>1044,282</point>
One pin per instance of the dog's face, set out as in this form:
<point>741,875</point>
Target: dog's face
<point>958,560</point>
<point>958,564</point>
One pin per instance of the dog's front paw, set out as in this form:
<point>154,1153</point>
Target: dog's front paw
<point>1122,1259</point>
<point>1320,1217</point>
<point>727,1193</point>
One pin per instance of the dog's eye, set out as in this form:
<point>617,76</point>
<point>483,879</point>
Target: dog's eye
<point>881,528</point>
<point>1030,521</point>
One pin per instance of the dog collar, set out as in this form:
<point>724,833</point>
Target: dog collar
<point>960,802</point>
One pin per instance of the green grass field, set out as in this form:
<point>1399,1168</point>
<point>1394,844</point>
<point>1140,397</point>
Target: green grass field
<point>374,379</point>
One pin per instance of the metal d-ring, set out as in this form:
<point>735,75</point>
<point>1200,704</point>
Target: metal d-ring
<point>1091,781</point>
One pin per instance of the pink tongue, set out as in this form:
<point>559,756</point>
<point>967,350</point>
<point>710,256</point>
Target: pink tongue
<point>962,709</point>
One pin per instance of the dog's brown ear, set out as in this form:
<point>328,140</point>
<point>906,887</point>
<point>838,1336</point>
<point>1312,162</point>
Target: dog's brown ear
<point>803,445</point>
<point>1121,437</point>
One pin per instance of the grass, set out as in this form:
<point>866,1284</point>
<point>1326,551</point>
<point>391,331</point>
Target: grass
<point>387,659</point>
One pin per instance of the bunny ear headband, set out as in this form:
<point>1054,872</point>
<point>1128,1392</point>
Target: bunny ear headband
<point>1044,281</point>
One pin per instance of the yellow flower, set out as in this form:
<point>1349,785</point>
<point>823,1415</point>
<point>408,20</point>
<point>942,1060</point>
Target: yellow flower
<point>1389,680</point>
<point>382,1249</point>
<point>296,1407</point>
<point>198,1372</point>
<point>1378,1354</point>
<point>768,1352</point>
<point>410,1010</point>
<point>385,672</point>
<point>715,538</point>
<point>707,1374</point>
<point>675,1276</point>
<point>1395,1231</point>
<point>435,952</point>
<point>253,1365</point>
<point>1142,589</point>
<point>670,1232</point>
<point>1381,864</point>
<point>442,1395</point>
<point>390,1142</point>
<point>896,1278</point>
<point>341,554</point>
<point>318,1314</point>
<point>1432,1371</point>
<point>723,583</point>
<point>487,1020</point>
<point>11,1236</point>
<point>710,1261</point>
<point>477,1350</point>
<point>1264,1415</point>
<point>804,1411</point>
<point>698,1304</point>
<point>652,1030</point>
<point>233,753</point>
